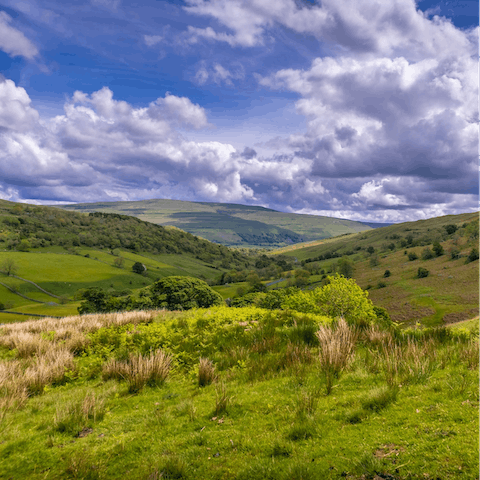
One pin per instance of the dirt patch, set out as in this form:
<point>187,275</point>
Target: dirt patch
<point>459,316</point>
<point>84,432</point>
<point>388,451</point>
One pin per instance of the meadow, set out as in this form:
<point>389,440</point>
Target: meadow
<point>236,393</point>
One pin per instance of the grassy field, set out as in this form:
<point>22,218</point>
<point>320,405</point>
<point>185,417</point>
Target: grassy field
<point>230,224</point>
<point>404,407</point>
<point>64,274</point>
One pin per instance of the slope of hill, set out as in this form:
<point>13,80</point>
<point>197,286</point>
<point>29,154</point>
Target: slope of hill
<point>63,252</point>
<point>383,262</point>
<point>230,224</point>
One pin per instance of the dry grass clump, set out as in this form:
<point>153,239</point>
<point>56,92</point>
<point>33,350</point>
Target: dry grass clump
<point>469,353</point>
<point>140,370</point>
<point>377,337</point>
<point>20,379</point>
<point>206,372</point>
<point>36,336</point>
<point>337,348</point>
<point>411,362</point>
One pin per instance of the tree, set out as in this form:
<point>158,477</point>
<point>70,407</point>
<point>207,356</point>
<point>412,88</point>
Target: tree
<point>183,293</point>
<point>473,255</point>
<point>437,249</point>
<point>422,272</point>
<point>451,229</point>
<point>119,262</point>
<point>342,297</point>
<point>95,301</point>
<point>9,267</point>
<point>24,246</point>
<point>370,250</point>
<point>139,268</point>
<point>346,267</point>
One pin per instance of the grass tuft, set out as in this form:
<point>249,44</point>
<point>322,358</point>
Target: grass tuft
<point>206,372</point>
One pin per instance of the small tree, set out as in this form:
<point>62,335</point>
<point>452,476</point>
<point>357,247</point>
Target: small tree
<point>472,256</point>
<point>138,268</point>
<point>9,267</point>
<point>346,267</point>
<point>438,249</point>
<point>451,229</point>
<point>427,254</point>
<point>24,246</point>
<point>119,262</point>
<point>386,274</point>
<point>412,256</point>
<point>422,272</point>
<point>370,250</point>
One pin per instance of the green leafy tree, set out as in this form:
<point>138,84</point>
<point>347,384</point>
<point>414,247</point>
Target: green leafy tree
<point>473,255</point>
<point>437,249</point>
<point>346,267</point>
<point>183,293</point>
<point>9,267</point>
<point>342,297</point>
<point>451,229</point>
<point>119,262</point>
<point>138,268</point>
<point>422,272</point>
<point>24,246</point>
<point>94,301</point>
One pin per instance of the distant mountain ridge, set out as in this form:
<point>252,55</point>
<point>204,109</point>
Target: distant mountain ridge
<point>230,224</point>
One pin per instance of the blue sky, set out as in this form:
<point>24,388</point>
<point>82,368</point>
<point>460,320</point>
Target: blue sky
<point>362,109</point>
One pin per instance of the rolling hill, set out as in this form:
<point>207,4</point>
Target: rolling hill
<point>450,292</point>
<point>230,224</point>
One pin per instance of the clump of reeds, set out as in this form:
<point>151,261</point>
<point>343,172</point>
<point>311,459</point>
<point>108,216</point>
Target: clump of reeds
<point>469,353</point>
<point>140,370</point>
<point>206,372</point>
<point>337,348</point>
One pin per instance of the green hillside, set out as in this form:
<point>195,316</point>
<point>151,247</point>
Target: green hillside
<point>65,252</point>
<point>230,224</point>
<point>448,294</point>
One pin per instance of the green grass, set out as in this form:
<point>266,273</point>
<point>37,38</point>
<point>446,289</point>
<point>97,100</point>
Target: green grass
<point>278,423</point>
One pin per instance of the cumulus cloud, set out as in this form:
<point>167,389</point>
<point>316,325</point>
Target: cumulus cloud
<point>12,41</point>
<point>151,40</point>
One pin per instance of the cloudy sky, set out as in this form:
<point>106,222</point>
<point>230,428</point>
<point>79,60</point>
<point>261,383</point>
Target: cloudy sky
<point>361,109</point>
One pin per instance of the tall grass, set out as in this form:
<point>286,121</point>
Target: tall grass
<point>140,370</point>
<point>337,348</point>
<point>206,372</point>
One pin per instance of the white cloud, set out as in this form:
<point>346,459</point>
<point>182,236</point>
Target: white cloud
<point>151,40</point>
<point>13,41</point>
<point>217,74</point>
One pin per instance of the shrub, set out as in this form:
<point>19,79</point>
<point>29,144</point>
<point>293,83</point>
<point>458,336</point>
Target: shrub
<point>451,229</point>
<point>337,346</point>
<point>472,256</point>
<point>438,249</point>
<point>381,284</point>
<point>222,399</point>
<point>206,372</point>
<point>387,274</point>
<point>422,272</point>
<point>412,256</point>
<point>427,254</point>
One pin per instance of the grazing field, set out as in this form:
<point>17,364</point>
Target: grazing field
<point>239,393</point>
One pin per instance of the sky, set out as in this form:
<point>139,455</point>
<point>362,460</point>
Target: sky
<point>359,109</point>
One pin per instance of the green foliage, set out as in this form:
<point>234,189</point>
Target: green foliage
<point>438,249</point>
<point>473,255</point>
<point>422,272</point>
<point>138,268</point>
<point>451,229</point>
<point>386,274</point>
<point>427,254</point>
<point>346,267</point>
<point>183,293</point>
<point>9,266</point>
<point>412,256</point>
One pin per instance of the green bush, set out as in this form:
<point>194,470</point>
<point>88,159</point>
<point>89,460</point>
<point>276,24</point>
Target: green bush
<point>427,254</point>
<point>472,256</point>
<point>183,293</point>
<point>412,256</point>
<point>386,274</point>
<point>422,272</point>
